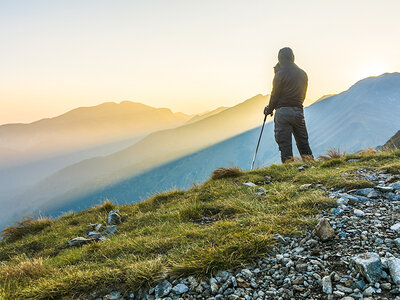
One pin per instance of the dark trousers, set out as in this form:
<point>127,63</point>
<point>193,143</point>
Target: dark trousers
<point>288,121</point>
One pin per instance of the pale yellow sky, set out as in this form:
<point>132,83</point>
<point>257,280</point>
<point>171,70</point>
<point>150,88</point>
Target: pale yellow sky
<point>187,55</point>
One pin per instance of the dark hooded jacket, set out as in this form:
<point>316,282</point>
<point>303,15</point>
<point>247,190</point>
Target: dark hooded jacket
<point>290,83</point>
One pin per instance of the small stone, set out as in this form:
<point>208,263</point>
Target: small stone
<point>162,289</point>
<point>261,191</point>
<point>94,235</point>
<point>114,217</point>
<point>359,213</point>
<point>369,265</point>
<point>395,227</point>
<point>386,286</point>
<point>78,241</point>
<point>394,268</point>
<point>305,186</point>
<point>344,289</point>
<point>327,285</point>
<point>110,229</point>
<point>249,184</point>
<point>180,289</point>
<point>114,296</point>
<point>324,230</point>
<point>369,291</point>
<point>397,242</point>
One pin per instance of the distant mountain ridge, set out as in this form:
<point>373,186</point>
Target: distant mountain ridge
<point>393,142</point>
<point>363,116</point>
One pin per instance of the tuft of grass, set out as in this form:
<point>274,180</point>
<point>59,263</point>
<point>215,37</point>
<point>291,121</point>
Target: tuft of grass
<point>333,153</point>
<point>24,227</point>
<point>332,163</point>
<point>23,267</point>
<point>226,173</point>
<point>107,206</point>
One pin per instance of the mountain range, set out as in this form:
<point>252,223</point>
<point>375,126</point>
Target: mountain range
<point>366,115</point>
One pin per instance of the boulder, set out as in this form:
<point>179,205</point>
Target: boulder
<point>395,186</point>
<point>324,230</point>
<point>369,265</point>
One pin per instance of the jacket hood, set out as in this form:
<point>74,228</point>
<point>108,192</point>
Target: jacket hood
<point>286,56</point>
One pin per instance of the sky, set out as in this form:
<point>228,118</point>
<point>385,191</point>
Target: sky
<point>187,55</point>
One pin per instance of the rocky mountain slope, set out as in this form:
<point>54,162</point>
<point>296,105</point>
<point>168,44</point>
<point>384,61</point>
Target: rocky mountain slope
<point>364,116</point>
<point>393,142</point>
<point>326,230</point>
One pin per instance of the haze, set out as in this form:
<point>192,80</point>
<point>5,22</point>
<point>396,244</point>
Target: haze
<point>187,55</point>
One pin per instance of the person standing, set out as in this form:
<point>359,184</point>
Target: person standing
<point>287,97</point>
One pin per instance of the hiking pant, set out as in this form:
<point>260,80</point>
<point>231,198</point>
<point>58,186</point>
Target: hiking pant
<point>288,121</point>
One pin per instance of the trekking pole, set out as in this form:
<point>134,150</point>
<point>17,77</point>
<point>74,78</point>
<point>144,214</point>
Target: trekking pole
<point>258,144</point>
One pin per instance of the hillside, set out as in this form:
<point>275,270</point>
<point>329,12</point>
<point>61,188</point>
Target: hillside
<point>393,142</point>
<point>220,225</point>
<point>152,151</point>
<point>364,116</point>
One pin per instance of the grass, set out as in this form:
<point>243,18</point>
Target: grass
<point>167,234</point>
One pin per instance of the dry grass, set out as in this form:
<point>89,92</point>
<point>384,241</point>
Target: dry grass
<point>24,227</point>
<point>332,154</point>
<point>21,267</point>
<point>107,206</point>
<point>226,173</point>
<point>368,151</point>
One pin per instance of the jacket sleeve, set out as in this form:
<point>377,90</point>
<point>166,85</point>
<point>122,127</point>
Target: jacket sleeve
<point>276,90</point>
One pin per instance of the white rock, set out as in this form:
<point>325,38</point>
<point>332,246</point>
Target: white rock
<point>359,213</point>
<point>394,268</point>
<point>327,285</point>
<point>249,184</point>
<point>395,227</point>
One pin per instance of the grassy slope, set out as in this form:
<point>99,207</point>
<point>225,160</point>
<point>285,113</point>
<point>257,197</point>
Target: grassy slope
<point>164,234</point>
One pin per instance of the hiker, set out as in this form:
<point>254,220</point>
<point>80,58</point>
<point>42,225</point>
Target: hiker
<point>287,97</point>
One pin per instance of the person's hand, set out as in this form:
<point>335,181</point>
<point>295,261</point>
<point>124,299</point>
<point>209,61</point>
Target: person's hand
<point>267,112</point>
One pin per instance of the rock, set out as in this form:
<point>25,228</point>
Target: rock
<point>110,229</point>
<point>213,286</point>
<point>261,191</point>
<point>180,289</point>
<point>369,265</point>
<point>327,285</point>
<point>94,235</point>
<point>114,296</point>
<point>324,230</point>
<point>395,185</point>
<point>267,179</point>
<point>98,227</point>
<point>369,291</point>
<point>366,192</point>
<point>395,227</point>
<point>114,217</point>
<point>249,184</point>
<point>359,213</point>
<point>162,289</point>
<point>397,242</point>
<point>344,289</point>
<point>394,268</point>
<point>302,168</point>
<point>305,186</point>
<point>78,241</point>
